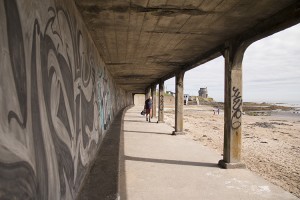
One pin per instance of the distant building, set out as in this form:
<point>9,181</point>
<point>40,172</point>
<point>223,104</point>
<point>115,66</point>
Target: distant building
<point>203,92</point>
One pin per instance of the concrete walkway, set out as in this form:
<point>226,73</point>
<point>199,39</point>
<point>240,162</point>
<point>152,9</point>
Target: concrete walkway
<point>156,165</point>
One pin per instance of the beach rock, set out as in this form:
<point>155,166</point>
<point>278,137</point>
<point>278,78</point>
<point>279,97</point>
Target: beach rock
<point>263,124</point>
<point>281,124</point>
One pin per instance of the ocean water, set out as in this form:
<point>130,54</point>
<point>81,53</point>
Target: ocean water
<point>294,105</point>
<point>287,114</point>
<point>295,113</point>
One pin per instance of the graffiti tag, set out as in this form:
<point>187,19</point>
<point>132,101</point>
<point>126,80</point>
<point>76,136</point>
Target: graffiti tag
<point>236,108</point>
<point>161,102</point>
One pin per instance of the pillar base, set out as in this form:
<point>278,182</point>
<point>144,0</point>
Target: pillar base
<point>160,121</point>
<point>225,165</point>
<point>177,133</point>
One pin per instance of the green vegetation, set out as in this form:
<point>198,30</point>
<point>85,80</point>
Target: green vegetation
<point>166,94</point>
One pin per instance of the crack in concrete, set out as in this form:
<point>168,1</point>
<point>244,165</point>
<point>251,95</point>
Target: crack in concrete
<point>162,10</point>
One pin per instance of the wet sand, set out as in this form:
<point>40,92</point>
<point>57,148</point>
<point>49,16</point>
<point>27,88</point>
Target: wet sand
<point>270,144</point>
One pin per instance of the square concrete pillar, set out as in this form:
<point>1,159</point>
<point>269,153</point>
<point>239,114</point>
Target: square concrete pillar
<point>147,93</point>
<point>161,102</point>
<point>233,106</point>
<point>153,94</point>
<point>179,103</point>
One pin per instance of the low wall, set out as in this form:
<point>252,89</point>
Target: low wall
<point>57,99</point>
<point>139,100</point>
<point>169,100</point>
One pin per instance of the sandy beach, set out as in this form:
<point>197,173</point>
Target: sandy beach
<point>270,144</point>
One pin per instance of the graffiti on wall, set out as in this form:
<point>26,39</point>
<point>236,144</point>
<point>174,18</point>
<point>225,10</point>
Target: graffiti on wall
<point>236,108</point>
<point>55,104</point>
<point>161,103</point>
<point>104,100</point>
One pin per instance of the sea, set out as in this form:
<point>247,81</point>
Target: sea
<point>295,113</point>
<point>294,105</point>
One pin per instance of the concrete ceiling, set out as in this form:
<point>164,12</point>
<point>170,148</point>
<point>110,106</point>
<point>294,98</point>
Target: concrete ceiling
<point>143,41</point>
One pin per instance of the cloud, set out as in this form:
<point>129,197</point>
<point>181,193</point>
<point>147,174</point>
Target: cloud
<point>271,71</point>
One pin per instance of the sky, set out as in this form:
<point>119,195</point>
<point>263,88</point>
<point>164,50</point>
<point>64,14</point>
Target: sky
<point>271,71</point>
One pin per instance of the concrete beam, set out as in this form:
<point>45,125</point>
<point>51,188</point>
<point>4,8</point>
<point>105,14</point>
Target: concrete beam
<point>233,54</point>
<point>283,19</point>
<point>286,18</point>
<point>161,102</point>
<point>179,103</point>
<point>153,94</point>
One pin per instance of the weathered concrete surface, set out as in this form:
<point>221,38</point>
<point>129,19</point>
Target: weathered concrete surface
<point>143,41</point>
<point>233,104</point>
<point>103,179</point>
<point>179,103</point>
<point>139,99</point>
<point>156,165</point>
<point>57,99</point>
<point>147,93</point>
<point>153,94</point>
<point>161,102</point>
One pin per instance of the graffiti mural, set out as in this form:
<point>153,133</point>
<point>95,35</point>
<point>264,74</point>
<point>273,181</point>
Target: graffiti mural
<point>56,103</point>
<point>104,100</point>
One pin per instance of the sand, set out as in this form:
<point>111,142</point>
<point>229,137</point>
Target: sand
<point>270,144</point>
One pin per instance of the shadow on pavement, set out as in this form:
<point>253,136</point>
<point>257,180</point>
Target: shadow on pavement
<point>172,162</point>
<point>140,121</point>
<point>102,181</point>
<point>159,133</point>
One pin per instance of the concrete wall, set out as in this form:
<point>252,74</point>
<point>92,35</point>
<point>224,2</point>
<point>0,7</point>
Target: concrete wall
<point>56,99</point>
<point>169,100</point>
<point>139,99</point>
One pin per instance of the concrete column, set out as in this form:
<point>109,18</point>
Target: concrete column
<point>147,93</point>
<point>179,103</point>
<point>133,99</point>
<point>233,106</point>
<point>161,102</point>
<point>153,94</point>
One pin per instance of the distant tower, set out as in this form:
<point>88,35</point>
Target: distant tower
<point>203,92</point>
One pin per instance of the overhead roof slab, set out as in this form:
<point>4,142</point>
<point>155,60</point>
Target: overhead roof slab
<point>144,41</point>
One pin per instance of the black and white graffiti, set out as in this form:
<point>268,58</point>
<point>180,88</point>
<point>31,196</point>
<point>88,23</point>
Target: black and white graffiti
<point>236,108</point>
<point>161,103</point>
<point>56,102</point>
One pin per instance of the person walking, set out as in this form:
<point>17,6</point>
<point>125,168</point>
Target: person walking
<point>148,107</point>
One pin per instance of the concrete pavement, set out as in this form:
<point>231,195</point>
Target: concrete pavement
<point>156,165</point>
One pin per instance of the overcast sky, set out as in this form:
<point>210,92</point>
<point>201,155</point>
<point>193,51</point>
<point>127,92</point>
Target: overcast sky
<point>271,71</point>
